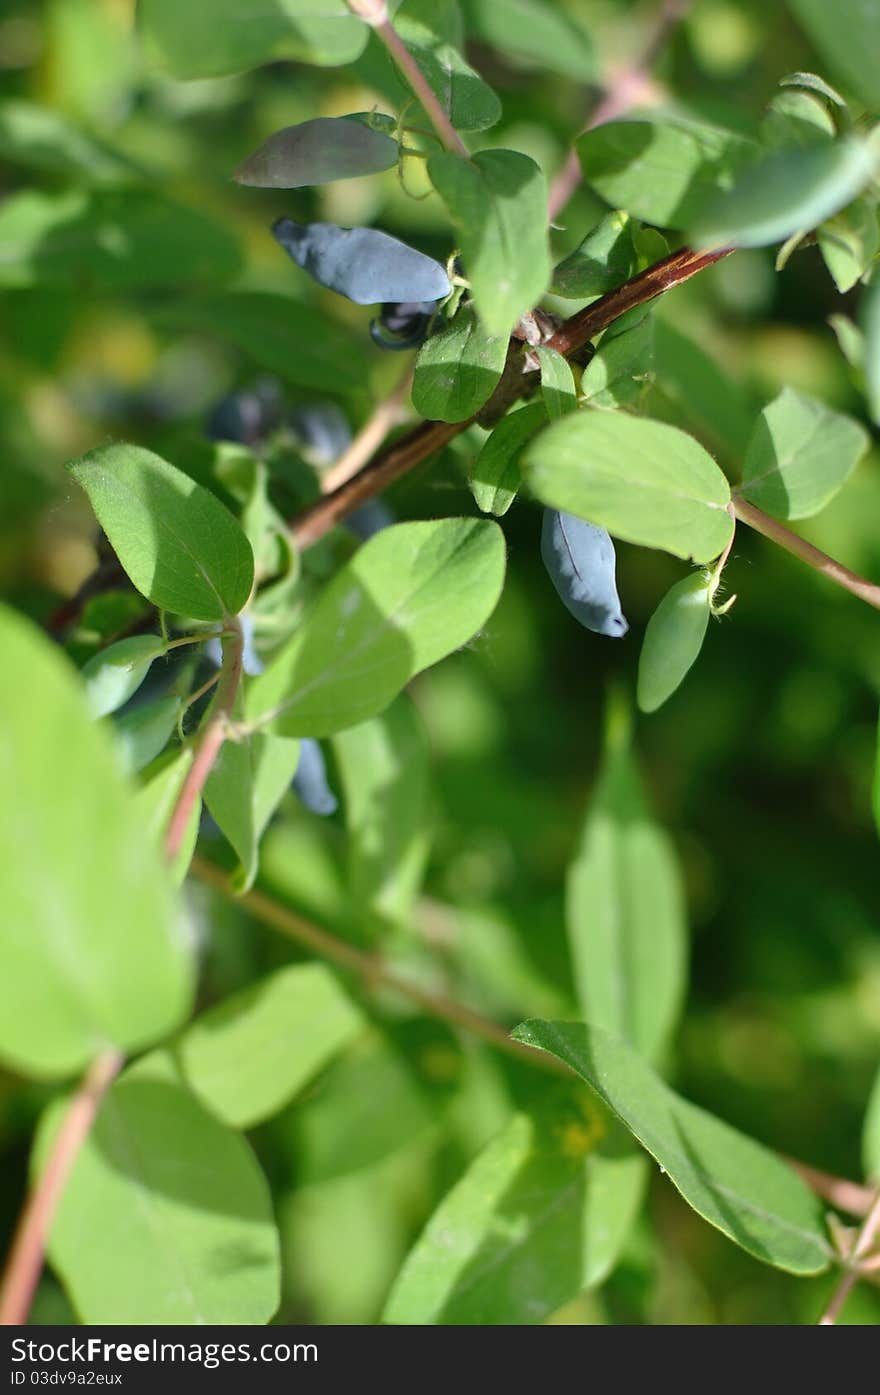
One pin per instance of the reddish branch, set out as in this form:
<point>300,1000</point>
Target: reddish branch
<point>25,1261</point>
<point>429,437</point>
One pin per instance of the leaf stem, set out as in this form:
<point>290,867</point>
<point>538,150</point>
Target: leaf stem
<point>862,1246</point>
<point>375,13</point>
<point>26,1256</point>
<point>799,547</point>
<point>210,739</point>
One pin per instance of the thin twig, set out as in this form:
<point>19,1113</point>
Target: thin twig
<point>25,1262</point>
<point>210,739</point>
<point>852,1197</point>
<point>385,415</point>
<point>375,13</point>
<point>429,436</point>
<point>862,1246</point>
<point>848,1196</point>
<point>799,547</point>
<point>371,969</point>
<point>625,89</point>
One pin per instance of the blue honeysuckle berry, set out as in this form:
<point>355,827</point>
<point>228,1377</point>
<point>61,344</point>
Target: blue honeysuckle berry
<point>403,324</point>
<point>581,562</point>
<point>366,265</point>
<point>322,430</point>
<point>310,781</point>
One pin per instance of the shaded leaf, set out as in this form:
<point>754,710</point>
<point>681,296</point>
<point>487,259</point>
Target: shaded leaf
<point>557,383</point>
<point>186,1230</point>
<point>788,191</point>
<point>316,152</point>
<point>249,779</point>
<point>800,454</point>
<point>847,36</point>
<point>301,344</point>
<point>539,34</point>
<point>180,546</point>
<point>736,1184</point>
<point>75,869</point>
<point>495,476</point>
<point>661,170</point>
<point>113,674</point>
<point>539,1215</point>
<point>605,259</point>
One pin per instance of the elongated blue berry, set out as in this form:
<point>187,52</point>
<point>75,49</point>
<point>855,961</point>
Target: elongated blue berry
<point>363,264</point>
<point>310,781</point>
<point>581,562</point>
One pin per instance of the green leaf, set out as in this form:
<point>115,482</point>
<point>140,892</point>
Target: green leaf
<point>540,1215</point>
<point>253,1052</point>
<point>625,913</point>
<point>368,1105</point>
<point>850,242</point>
<point>186,1231</point>
<point>869,319</point>
<point>212,39</point>
<point>110,240</point>
<point>800,454</point>
<point>642,480</point>
<point>709,402</point>
<point>535,33</point>
<point>495,476</point>
<point>661,170</point>
<point>875,791</point>
<point>736,1184</point>
<point>458,369</point>
<point>498,204</point>
<point>408,597</point>
<point>317,152</point>
<point>621,367</point>
<point>847,37</point>
<point>673,640</point>
<point>605,259</point>
<point>383,765</point>
<point>142,734</point>
<point>41,138</point>
<point>796,119</point>
<point>788,191</point>
<point>249,779</point>
<point>813,83</point>
<point>180,546</point>
<point>75,872</point>
<point>431,30</point>
<point>155,803</point>
<point>302,344</point>
<point>113,674</point>
<point>557,383</point>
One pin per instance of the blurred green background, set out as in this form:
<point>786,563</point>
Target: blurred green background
<point>760,766</point>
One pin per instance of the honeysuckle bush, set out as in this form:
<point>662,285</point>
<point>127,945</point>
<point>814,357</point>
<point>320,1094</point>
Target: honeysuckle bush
<point>574,874</point>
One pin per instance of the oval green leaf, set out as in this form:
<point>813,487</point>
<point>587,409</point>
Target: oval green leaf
<point>201,40</point>
<point>495,477</point>
<point>457,370</point>
<point>249,1055</point>
<point>317,152</point>
<point>409,596</point>
<point>115,673</point>
<point>93,952</point>
<point>180,546</point>
<point>642,480</point>
<point>734,1183</point>
<point>183,1227</point>
<point>800,454</point>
